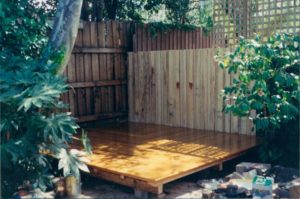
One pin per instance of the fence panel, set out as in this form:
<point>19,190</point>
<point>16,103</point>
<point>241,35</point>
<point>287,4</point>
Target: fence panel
<point>180,88</point>
<point>97,71</point>
<point>144,40</point>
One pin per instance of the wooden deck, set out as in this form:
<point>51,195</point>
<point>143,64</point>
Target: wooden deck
<point>146,156</point>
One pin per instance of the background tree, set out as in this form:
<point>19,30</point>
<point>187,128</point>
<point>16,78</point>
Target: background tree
<point>182,12</point>
<point>99,10</point>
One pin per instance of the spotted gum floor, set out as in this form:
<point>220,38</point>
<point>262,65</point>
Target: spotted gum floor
<point>146,156</point>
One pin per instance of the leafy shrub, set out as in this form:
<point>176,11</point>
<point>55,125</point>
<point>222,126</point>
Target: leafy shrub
<point>266,89</point>
<point>32,127</point>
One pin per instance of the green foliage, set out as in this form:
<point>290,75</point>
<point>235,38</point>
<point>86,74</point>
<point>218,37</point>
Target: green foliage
<point>206,20</point>
<point>32,126</point>
<point>156,27</point>
<point>161,14</point>
<point>184,15</point>
<point>98,10</point>
<point>266,81</point>
<point>178,11</point>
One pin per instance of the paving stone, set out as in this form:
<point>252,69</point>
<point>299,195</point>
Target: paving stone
<point>209,184</point>
<point>247,166</point>
<point>234,175</point>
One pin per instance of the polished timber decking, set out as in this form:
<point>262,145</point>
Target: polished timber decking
<point>146,156</point>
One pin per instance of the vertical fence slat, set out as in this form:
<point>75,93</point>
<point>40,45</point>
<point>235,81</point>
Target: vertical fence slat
<point>219,86</point>
<point>180,88</point>
<point>183,76</point>
<point>87,68</point>
<point>158,82</point>
<point>152,80</point>
<point>190,88</point>
<point>165,88</point>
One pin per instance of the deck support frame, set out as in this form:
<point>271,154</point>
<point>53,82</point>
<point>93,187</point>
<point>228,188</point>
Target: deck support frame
<point>138,185</point>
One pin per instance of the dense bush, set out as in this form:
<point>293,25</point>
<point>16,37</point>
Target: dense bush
<point>266,89</point>
<point>31,124</point>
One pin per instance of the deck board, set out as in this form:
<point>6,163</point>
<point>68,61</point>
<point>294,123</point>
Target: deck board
<point>158,154</point>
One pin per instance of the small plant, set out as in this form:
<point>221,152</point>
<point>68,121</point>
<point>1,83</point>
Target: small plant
<point>33,125</point>
<point>265,88</point>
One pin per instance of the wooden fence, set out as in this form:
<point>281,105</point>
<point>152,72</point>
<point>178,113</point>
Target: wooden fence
<point>143,40</point>
<point>180,88</point>
<point>97,71</point>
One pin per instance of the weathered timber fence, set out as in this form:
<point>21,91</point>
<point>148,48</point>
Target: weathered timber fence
<point>172,39</point>
<point>97,71</point>
<point>180,88</point>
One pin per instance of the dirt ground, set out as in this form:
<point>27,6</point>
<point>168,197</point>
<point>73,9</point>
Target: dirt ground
<point>107,190</point>
<point>183,188</point>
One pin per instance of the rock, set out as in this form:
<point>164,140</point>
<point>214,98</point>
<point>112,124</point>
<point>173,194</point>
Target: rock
<point>207,193</point>
<point>231,191</point>
<point>282,193</point>
<point>223,185</point>
<point>196,194</point>
<point>294,188</point>
<point>234,175</point>
<point>208,184</point>
<point>247,166</point>
<point>218,196</point>
<point>38,193</point>
<point>243,193</point>
<point>250,174</point>
<point>242,190</point>
<point>282,184</point>
<point>221,191</point>
<point>245,183</point>
<point>283,174</point>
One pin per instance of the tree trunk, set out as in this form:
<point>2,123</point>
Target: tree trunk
<point>64,30</point>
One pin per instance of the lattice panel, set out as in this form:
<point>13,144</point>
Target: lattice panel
<point>234,18</point>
